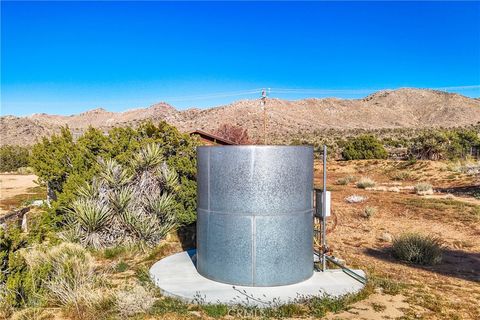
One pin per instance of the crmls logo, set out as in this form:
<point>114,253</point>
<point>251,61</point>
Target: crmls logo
<point>245,313</point>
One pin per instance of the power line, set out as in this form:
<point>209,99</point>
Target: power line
<point>306,91</point>
<point>358,91</point>
<point>213,95</point>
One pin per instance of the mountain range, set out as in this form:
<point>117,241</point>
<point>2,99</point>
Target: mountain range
<point>388,109</point>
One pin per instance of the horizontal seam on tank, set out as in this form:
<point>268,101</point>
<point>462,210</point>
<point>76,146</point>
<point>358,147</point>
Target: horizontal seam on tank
<point>290,213</point>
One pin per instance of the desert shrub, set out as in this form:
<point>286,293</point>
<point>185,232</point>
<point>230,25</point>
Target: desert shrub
<point>400,175</point>
<point>429,146</point>
<point>423,188</point>
<point>126,204</point>
<point>34,313</point>
<point>14,289</point>
<point>444,144</point>
<point>365,182</point>
<point>13,158</point>
<point>63,164</point>
<point>354,198</point>
<point>59,275</point>
<point>368,212</point>
<point>417,249</point>
<point>64,275</point>
<point>133,301</point>
<point>364,147</point>
<point>345,180</point>
<point>468,167</point>
<point>467,140</point>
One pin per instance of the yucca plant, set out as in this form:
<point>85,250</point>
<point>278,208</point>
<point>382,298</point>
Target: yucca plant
<point>119,200</point>
<point>92,215</point>
<point>168,178</point>
<point>128,203</point>
<point>146,228</point>
<point>89,190</point>
<point>113,174</point>
<point>160,206</point>
<point>148,157</point>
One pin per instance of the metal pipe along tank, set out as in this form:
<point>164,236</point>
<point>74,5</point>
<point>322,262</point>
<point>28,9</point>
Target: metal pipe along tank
<point>255,214</point>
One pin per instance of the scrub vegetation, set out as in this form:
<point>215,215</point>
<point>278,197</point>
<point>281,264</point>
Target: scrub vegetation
<point>417,249</point>
<point>401,143</point>
<point>121,201</point>
<point>13,158</point>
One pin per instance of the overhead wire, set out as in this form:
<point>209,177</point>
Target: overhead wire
<point>213,95</point>
<point>307,91</point>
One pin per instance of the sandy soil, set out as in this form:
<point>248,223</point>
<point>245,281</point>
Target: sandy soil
<point>12,185</point>
<point>449,290</point>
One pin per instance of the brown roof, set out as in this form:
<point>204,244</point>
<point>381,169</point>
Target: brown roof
<point>210,136</point>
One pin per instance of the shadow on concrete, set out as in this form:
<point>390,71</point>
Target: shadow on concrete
<point>455,263</point>
<point>188,236</point>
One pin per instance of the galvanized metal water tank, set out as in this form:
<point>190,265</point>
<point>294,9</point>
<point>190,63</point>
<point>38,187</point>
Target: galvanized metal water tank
<point>255,209</point>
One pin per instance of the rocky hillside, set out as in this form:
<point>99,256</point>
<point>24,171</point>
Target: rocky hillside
<point>403,108</point>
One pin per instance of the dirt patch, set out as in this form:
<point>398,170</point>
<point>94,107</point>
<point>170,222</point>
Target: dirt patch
<point>378,306</point>
<point>15,189</point>
<point>449,290</point>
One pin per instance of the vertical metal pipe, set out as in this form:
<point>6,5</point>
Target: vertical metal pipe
<point>324,209</point>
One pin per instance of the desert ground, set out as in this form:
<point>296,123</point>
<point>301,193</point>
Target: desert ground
<point>448,290</point>
<point>17,188</point>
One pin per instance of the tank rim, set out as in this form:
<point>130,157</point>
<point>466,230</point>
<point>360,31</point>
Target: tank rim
<point>258,146</point>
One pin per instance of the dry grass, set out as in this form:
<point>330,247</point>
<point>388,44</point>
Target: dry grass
<point>134,300</point>
<point>449,290</point>
<point>423,188</point>
<point>365,182</point>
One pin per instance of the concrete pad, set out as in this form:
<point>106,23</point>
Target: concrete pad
<point>176,276</point>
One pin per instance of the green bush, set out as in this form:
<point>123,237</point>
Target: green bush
<point>444,144</point>
<point>418,249</point>
<point>363,147</point>
<point>63,164</point>
<point>13,158</point>
<point>59,275</point>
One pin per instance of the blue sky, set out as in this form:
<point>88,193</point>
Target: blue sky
<point>68,57</point>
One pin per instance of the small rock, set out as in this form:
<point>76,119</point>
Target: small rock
<point>394,189</point>
<point>387,237</point>
<point>425,193</point>
<point>196,313</point>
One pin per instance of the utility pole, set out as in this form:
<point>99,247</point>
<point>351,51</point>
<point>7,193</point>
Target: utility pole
<point>324,210</point>
<point>263,100</point>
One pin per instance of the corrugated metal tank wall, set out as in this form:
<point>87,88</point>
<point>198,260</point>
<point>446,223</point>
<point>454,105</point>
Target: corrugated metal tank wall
<point>255,211</point>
